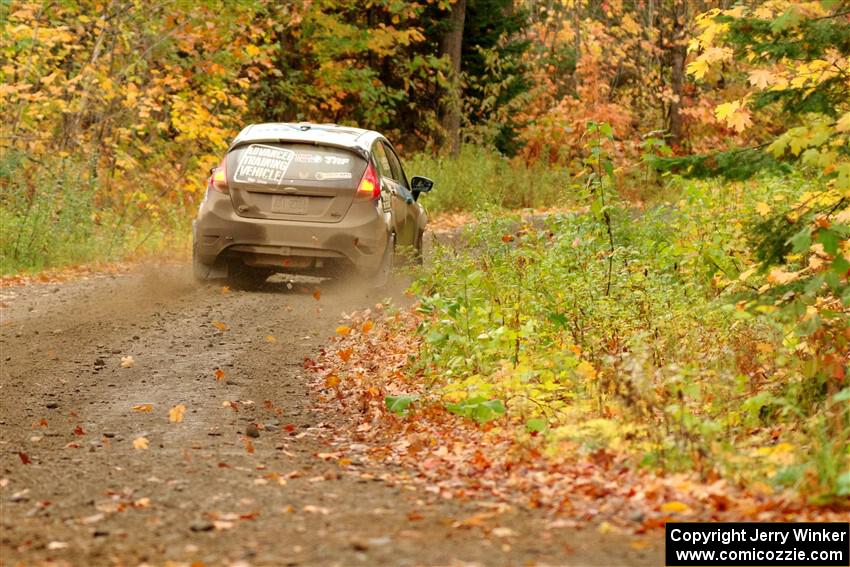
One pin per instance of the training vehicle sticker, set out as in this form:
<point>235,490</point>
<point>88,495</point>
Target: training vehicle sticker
<point>263,164</point>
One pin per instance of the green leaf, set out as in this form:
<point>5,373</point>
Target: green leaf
<point>842,396</point>
<point>840,265</point>
<point>399,404</point>
<point>537,424</point>
<point>802,240</point>
<point>829,239</point>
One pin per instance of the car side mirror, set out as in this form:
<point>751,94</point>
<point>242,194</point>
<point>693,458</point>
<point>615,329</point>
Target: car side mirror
<point>420,184</point>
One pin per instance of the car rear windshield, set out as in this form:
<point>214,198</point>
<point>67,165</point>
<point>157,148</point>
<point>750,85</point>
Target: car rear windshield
<point>275,164</point>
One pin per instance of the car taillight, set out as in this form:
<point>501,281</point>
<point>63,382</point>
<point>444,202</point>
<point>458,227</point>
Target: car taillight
<point>370,187</point>
<point>219,178</point>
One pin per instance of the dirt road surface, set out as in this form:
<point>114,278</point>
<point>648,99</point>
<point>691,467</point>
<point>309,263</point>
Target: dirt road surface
<point>241,479</point>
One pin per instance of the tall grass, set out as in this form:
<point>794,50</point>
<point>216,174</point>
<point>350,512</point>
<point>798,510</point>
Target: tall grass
<point>51,215</point>
<point>479,178</point>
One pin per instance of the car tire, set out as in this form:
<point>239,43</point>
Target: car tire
<point>385,270</point>
<point>200,271</point>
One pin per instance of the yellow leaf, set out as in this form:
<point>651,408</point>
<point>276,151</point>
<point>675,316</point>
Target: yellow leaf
<point>343,330</point>
<point>843,123</point>
<point>762,208</point>
<point>271,339</point>
<point>252,50</point>
<point>675,507</point>
<point>761,78</point>
<point>698,68</point>
<point>175,414</point>
<point>586,370</point>
<point>140,443</point>
<point>219,325</point>
<point>143,408</point>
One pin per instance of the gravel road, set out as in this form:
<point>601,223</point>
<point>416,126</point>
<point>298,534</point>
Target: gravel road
<point>241,480</point>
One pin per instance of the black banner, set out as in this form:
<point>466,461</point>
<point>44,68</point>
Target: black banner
<point>744,544</point>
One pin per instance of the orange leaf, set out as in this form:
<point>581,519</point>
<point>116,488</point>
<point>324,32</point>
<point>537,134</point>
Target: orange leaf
<point>368,326</point>
<point>332,381</point>
<point>317,294</point>
<point>219,325</point>
<point>79,431</point>
<point>219,374</point>
<point>344,354</point>
<point>175,414</point>
<point>271,339</point>
<point>249,446</point>
<point>143,408</point>
<point>343,330</point>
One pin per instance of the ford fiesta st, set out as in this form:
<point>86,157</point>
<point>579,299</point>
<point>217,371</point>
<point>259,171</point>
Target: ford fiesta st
<point>305,198</point>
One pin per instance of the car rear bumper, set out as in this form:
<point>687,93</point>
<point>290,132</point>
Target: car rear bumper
<point>359,238</point>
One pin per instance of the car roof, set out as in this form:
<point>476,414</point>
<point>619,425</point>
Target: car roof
<point>307,132</point>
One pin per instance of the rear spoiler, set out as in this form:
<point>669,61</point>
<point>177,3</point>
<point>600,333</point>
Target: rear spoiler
<point>362,152</point>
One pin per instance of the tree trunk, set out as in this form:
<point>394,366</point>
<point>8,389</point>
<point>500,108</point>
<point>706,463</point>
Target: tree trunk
<point>678,52</point>
<point>450,46</point>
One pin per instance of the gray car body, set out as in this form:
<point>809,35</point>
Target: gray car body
<point>231,231</point>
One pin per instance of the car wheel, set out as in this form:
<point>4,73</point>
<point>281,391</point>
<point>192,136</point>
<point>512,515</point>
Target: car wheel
<point>385,270</point>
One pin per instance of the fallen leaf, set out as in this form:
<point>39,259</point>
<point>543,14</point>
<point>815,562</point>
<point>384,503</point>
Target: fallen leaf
<point>332,381</point>
<point>675,507</point>
<point>25,459</point>
<point>127,362</point>
<point>343,330</point>
<point>219,374</point>
<point>317,294</point>
<point>344,354</point>
<point>79,431</point>
<point>271,339</point>
<point>175,414</point>
<point>225,289</point>
<point>142,503</point>
<point>367,326</point>
<point>54,545</point>
<point>140,443</point>
<point>249,446</point>
<point>219,325</point>
<point>143,408</point>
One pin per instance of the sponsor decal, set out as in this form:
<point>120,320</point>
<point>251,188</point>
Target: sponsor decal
<point>337,160</point>
<point>326,175</point>
<point>308,158</point>
<point>262,164</point>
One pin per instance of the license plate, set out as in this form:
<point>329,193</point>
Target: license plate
<point>290,204</point>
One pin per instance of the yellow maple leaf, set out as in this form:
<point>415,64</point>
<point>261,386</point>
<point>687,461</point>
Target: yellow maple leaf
<point>734,114</point>
<point>332,381</point>
<point>175,414</point>
<point>140,443</point>
<point>343,330</point>
<point>761,78</point>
